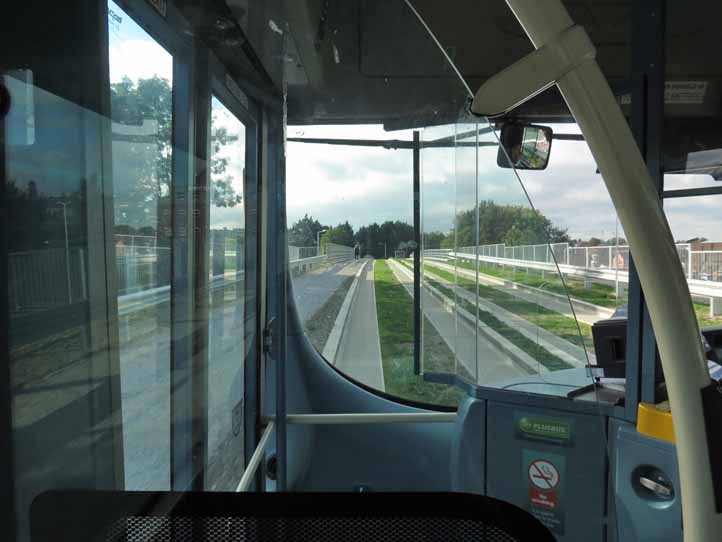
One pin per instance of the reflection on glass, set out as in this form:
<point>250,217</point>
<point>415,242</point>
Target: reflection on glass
<point>141,118</point>
<point>226,266</point>
<point>56,356</point>
<point>439,329</point>
<point>523,287</point>
<point>695,225</point>
<point>111,327</point>
<point>350,249</point>
<point>468,349</point>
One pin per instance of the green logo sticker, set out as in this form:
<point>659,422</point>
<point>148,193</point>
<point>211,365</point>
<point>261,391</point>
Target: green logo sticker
<point>543,428</point>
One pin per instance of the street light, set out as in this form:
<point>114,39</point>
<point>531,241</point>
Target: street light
<point>318,241</point>
<point>67,250</point>
<point>384,244</point>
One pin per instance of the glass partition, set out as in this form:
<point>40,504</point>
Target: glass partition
<point>695,225</point>
<point>142,154</point>
<point>226,298</point>
<point>492,270</point>
<point>495,270</point>
<point>130,251</point>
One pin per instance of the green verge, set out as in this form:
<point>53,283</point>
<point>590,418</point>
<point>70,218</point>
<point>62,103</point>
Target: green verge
<point>547,319</point>
<point>599,294</point>
<point>535,350</point>
<point>560,325</point>
<point>395,313</point>
<point>703,317</point>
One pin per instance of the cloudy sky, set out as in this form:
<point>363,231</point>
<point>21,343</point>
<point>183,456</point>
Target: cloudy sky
<point>134,54</point>
<point>361,185</point>
<point>364,185</point>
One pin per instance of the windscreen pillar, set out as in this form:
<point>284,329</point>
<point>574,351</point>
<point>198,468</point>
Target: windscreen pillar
<point>625,174</point>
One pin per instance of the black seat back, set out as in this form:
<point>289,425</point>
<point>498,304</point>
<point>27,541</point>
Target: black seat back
<point>129,516</point>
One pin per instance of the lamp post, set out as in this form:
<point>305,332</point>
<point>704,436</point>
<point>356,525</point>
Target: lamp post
<point>67,250</point>
<point>384,244</point>
<point>318,241</point>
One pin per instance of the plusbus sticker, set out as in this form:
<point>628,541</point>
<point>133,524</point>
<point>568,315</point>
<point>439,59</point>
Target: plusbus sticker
<point>544,476</point>
<point>544,428</point>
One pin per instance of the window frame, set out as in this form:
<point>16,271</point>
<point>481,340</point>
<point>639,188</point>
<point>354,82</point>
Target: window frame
<point>168,32</point>
<point>247,114</point>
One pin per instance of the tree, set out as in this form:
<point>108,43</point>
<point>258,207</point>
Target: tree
<point>303,232</point>
<point>37,221</point>
<point>340,235</point>
<point>508,224</point>
<point>433,239</point>
<point>143,160</point>
<point>368,237</point>
<point>142,163</point>
<point>591,242</point>
<point>394,234</point>
<point>223,193</point>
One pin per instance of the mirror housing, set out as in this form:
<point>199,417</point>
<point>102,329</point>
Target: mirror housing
<point>527,146</point>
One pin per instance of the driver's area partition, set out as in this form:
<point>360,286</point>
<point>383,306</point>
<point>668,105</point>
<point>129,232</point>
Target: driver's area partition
<point>471,392</point>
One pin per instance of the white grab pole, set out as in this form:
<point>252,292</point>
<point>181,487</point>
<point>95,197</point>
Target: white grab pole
<point>592,103</point>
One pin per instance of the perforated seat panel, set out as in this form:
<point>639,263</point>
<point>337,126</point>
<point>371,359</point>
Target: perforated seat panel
<point>106,516</point>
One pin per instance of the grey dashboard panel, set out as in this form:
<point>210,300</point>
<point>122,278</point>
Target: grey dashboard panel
<point>468,447</point>
<point>641,516</point>
<point>551,463</point>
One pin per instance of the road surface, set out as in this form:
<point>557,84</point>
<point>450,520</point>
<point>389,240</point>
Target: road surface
<point>311,290</point>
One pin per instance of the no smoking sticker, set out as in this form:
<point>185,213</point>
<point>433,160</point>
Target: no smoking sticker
<point>543,474</point>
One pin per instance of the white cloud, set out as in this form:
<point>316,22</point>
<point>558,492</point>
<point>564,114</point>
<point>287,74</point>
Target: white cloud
<point>364,185</point>
<point>139,59</point>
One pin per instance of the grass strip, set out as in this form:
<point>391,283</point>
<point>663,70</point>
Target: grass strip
<point>394,310</point>
<point>560,325</point>
<point>599,294</point>
<point>703,317</point>
<point>535,350</point>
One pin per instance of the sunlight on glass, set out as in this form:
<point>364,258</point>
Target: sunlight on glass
<point>141,125</point>
<point>696,223</point>
<point>226,264</point>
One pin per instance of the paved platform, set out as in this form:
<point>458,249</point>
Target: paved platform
<point>359,353</point>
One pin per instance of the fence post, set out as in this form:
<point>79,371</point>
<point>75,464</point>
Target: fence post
<point>83,285</point>
<point>129,269</point>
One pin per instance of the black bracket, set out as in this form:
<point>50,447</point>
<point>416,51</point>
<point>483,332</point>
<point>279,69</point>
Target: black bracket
<point>268,335</point>
<point>712,409</point>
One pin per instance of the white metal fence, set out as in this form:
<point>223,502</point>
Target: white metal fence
<point>299,253</point>
<point>698,264</point>
<point>42,279</point>
<point>338,253</point>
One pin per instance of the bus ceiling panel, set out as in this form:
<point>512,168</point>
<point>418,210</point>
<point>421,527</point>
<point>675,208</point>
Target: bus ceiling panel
<point>693,39</point>
<point>341,51</point>
<point>240,36</point>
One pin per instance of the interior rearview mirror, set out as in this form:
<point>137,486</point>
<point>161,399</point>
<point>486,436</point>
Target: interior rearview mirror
<point>527,146</point>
